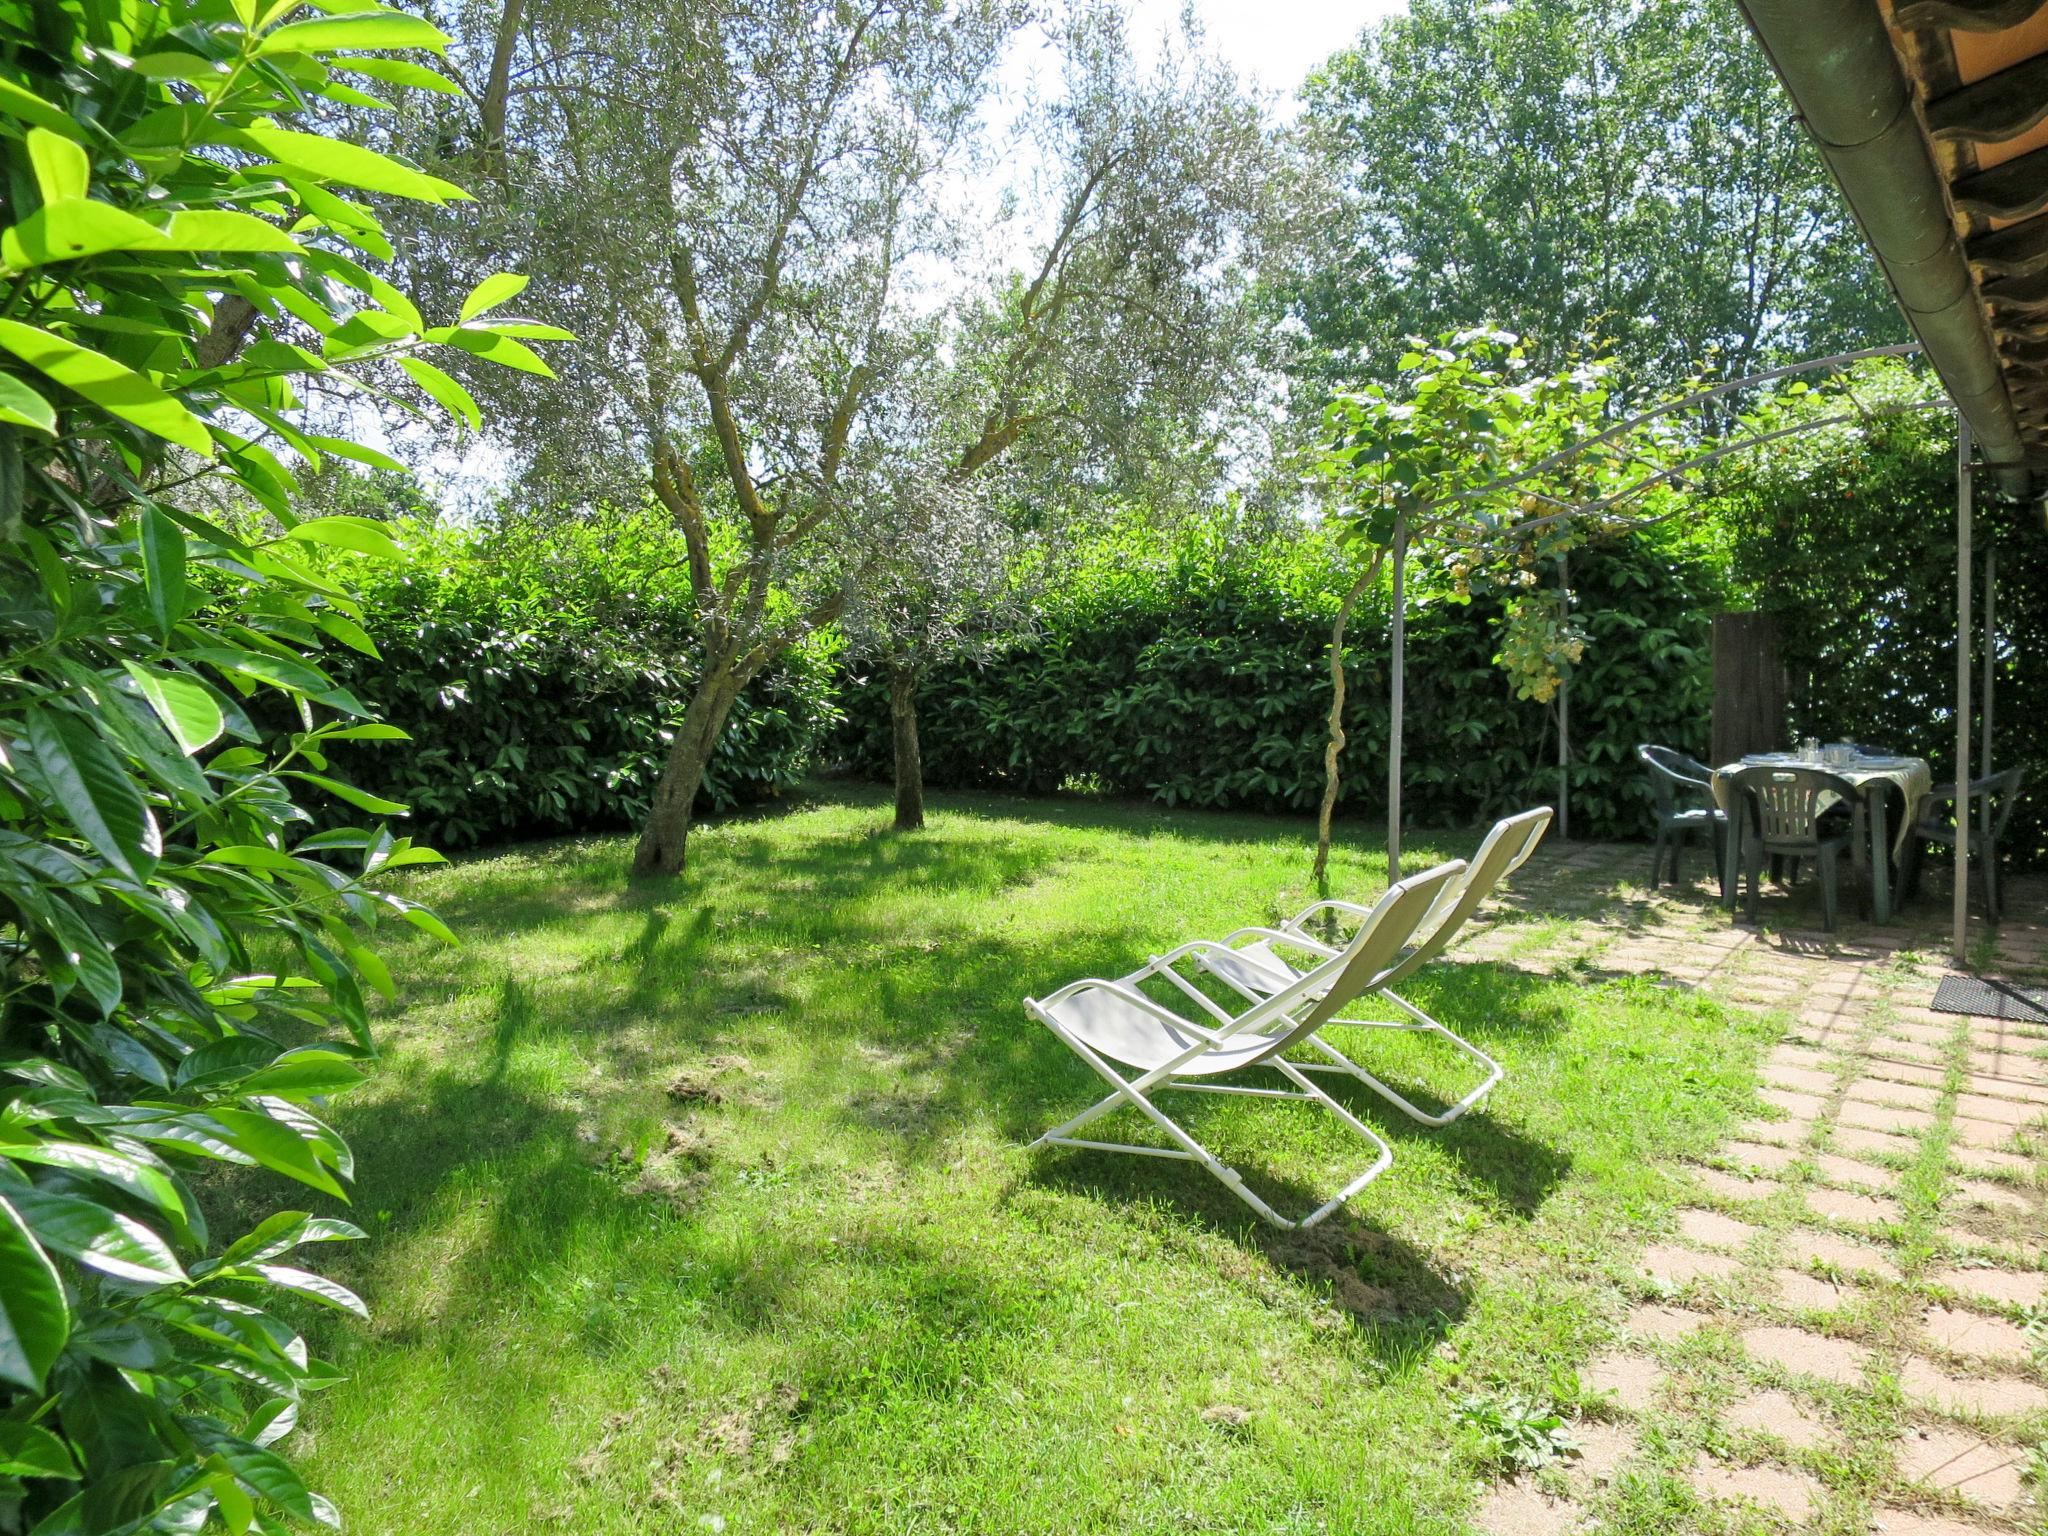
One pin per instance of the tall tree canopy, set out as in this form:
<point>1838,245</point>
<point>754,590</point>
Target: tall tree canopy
<point>768,221</point>
<point>1618,171</point>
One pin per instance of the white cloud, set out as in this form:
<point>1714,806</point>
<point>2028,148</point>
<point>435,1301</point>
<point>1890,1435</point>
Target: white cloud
<point>1273,42</point>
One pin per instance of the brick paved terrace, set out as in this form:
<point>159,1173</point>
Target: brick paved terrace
<point>1846,1328</point>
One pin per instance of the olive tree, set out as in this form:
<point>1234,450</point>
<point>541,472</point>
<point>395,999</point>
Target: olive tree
<point>948,581</point>
<point>765,221</point>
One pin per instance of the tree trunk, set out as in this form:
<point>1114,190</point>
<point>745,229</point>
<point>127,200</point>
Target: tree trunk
<point>1335,744</point>
<point>909,761</point>
<point>664,841</point>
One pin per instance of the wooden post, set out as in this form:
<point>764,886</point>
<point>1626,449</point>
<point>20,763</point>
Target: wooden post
<point>1749,687</point>
<point>1964,488</point>
<point>1397,701</point>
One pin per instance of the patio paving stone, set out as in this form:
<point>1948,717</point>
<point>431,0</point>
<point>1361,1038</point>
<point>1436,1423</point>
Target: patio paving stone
<point>1793,1495</point>
<point>1972,1333</point>
<point>1633,1379</point>
<point>1999,1287</point>
<point>1848,1170</point>
<point>1892,1118</point>
<point>1711,1229</point>
<point>1776,1413</point>
<point>1996,1396</point>
<point>1953,1460</point>
<point>1676,1266</point>
<point>1850,1257</point>
<point>1807,1354</point>
<point>1847,1205</point>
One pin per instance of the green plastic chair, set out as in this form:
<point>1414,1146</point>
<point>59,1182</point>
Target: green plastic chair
<point>1682,794</point>
<point>1994,796</point>
<point>1785,816</point>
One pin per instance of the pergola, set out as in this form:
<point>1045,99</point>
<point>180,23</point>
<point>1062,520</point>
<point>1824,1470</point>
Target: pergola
<point>1933,117</point>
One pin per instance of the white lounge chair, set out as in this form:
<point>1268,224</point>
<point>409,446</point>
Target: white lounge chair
<point>1107,1022</point>
<point>1259,971</point>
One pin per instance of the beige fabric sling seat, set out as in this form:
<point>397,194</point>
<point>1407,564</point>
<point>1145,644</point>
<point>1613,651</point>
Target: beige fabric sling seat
<point>1112,1024</point>
<point>1259,970</point>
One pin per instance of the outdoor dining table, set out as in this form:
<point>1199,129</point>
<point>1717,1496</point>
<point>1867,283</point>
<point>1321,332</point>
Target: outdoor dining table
<point>1876,776</point>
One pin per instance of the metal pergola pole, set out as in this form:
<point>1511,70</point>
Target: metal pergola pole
<point>1963,510</point>
<point>1396,702</point>
<point>1990,663</point>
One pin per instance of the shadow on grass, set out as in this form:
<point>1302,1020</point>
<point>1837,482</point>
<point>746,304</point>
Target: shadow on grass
<point>802,938</point>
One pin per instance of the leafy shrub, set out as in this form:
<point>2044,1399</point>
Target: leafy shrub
<point>539,671</point>
<point>1848,537</point>
<point>1520,1434</point>
<point>183,951</point>
<point>1194,670</point>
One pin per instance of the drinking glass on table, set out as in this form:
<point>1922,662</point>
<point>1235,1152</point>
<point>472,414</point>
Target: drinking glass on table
<point>1809,749</point>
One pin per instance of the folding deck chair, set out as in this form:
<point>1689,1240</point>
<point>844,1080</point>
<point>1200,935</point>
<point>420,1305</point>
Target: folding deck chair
<point>1106,1022</point>
<point>1257,970</point>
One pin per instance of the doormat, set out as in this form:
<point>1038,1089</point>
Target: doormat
<point>1992,999</point>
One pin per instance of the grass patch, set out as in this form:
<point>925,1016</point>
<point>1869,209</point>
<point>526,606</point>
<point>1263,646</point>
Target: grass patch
<point>708,1201</point>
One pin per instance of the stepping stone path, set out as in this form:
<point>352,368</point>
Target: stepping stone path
<point>1956,1461</point>
<point>1773,1413</point>
<point>1871,1234</point>
<point>1791,1494</point>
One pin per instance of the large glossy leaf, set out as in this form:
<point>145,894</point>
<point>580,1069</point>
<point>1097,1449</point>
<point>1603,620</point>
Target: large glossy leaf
<point>97,1237</point>
<point>62,170</point>
<point>163,569</point>
<point>334,159</point>
<point>443,390</point>
<point>34,1318</point>
<point>375,29</point>
<point>362,799</point>
<point>361,534</point>
<point>223,229</point>
<point>22,406</point>
<point>116,389</point>
<point>29,1450</point>
<point>188,710</point>
<point>94,790</point>
<point>73,230</point>
<point>400,72</point>
<point>120,1169</point>
<point>498,288</point>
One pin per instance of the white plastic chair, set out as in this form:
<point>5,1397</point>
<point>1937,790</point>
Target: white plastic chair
<point>1106,1022</point>
<point>1258,971</point>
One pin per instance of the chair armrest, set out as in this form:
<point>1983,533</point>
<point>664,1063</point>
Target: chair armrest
<point>1348,908</point>
<point>1282,936</point>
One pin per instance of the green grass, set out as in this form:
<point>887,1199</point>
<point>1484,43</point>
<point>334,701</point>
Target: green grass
<point>711,1199</point>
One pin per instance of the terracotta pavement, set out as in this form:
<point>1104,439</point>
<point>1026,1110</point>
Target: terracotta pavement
<point>1867,1249</point>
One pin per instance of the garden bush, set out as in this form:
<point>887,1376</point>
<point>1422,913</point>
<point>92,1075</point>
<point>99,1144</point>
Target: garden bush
<point>538,668</point>
<point>1193,669</point>
<point>184,943</point>
<point>1848,537</point>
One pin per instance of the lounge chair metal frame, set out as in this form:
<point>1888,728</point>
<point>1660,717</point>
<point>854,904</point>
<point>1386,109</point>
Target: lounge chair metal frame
<point>1104,1021</point>
<point>1261,973</point>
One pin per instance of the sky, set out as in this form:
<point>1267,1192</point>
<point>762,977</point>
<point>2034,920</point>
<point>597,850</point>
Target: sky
<point>1275,42</point>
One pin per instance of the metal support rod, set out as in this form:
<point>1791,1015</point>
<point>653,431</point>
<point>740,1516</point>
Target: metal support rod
<point>1961,918</point>
<point>1400,671</point>
<point>1989,663</point>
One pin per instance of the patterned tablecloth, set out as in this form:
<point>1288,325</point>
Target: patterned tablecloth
<point>1912,776</point>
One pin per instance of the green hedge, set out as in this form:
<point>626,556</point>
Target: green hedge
<point>1848,537</point>
<point>539,671</point>
<point>1194,671</point>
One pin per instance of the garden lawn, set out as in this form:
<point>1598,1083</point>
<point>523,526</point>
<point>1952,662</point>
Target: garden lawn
<point>706,1205</point>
